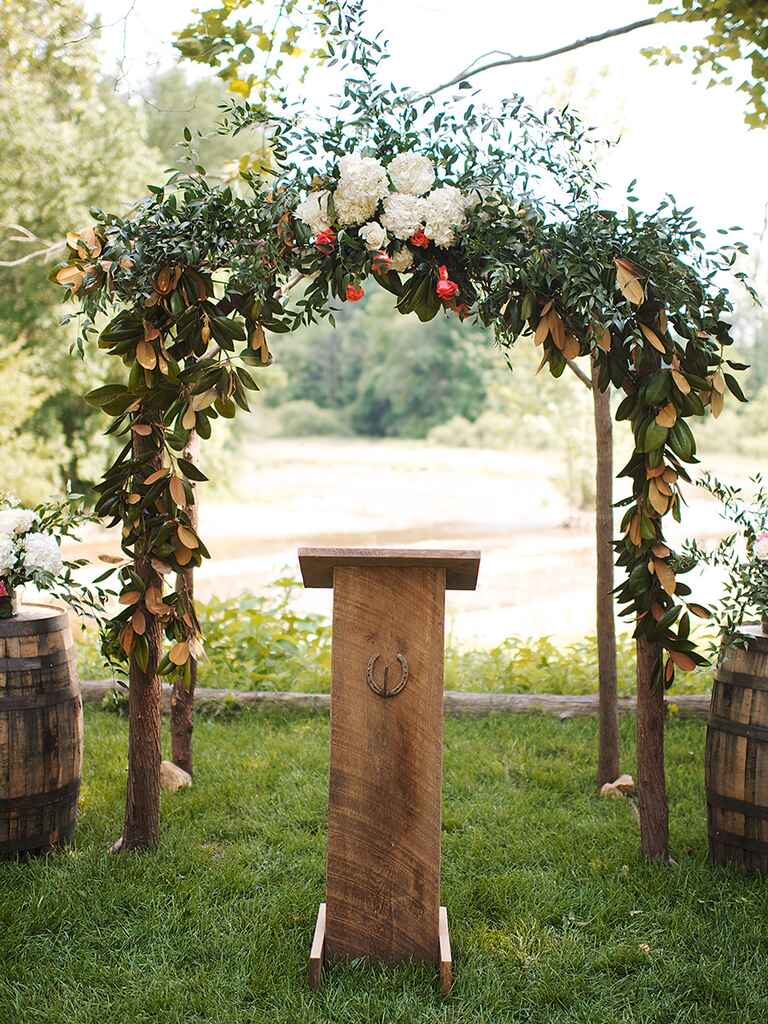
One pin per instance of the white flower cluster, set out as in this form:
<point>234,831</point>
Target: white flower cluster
<point>761,547</point>
<point>8,554</point>
<point>16,521</point>
<point>41,552</point>
<point>362,185</point>
<point>314,211</point>
<point>364,182</point>
<point>24,552</point>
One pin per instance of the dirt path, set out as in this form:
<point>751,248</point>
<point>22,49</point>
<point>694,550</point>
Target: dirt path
<point>537,566</point>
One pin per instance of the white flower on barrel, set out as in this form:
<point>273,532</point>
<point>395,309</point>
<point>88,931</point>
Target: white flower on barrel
<point>8,555</point>
<point>761,546</point>
<point>42,553</point>
<point>412,174</point>
<point>16,521</point>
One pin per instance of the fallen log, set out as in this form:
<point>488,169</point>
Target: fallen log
<point>457,703</point>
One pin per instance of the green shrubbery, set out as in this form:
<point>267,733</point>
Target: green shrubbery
<point>264,643</point>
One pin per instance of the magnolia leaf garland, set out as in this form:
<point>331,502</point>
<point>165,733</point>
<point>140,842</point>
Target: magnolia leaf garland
<point>187,348</point>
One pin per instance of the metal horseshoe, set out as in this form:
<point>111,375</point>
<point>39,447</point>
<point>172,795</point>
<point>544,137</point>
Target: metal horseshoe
<point>384,691</point>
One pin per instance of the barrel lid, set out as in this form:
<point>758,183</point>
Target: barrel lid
<point>34,619</point>
<point>756,637</point>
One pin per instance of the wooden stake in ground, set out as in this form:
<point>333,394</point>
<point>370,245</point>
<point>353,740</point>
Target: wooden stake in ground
<point>608,739</point>
<point>652,790</point>
<point>183,696</point>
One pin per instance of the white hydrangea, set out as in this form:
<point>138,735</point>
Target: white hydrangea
<point>374,235</point>
<point>16,520</point>
<point>7,554</point>
<point>402,260</point>
<point>444,215</point>
<point>362,184</point>
<point>41,552</point>
<point>761,547</point>
<point>403,214</point>
<point>314,211</point>
<point>412,174</point>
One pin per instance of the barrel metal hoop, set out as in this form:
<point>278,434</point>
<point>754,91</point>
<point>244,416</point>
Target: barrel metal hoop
<point>53,660</point>
<point>742,842</point>
<point>30,702</point>
<point>34,801</point>
<point>729,803</point>
<point>744,679</point>
<point>755,732</point>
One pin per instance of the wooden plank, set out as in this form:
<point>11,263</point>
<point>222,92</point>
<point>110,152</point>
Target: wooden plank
<point>318,564</point>
<point>317,952</point>
<point>446,960</point>
<point>456,703</point>
<point>383,864</point>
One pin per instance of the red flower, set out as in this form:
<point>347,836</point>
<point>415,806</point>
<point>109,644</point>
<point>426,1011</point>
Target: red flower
<point>419,239</point>
<point>354,292</point>
<point>381,261</point>
<point>445,288</point>
<point>325,241</point>
<point>3,589</point>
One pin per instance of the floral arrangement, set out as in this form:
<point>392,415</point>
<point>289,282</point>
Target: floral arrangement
<point>30,552</point>
<point>375,219</point>
<point>742,555</point>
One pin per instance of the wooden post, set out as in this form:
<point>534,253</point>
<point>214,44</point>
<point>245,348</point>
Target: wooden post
<point>383,860</point>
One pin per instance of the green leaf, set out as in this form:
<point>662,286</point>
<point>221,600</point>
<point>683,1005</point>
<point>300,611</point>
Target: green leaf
<point>190,470</point>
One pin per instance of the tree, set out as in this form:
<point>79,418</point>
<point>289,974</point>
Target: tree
<point>386,376</point>
<point>736,33</point>
<point>57,120</point>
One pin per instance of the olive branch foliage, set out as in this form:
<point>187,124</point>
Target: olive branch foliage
<point>745,587</point>
<point>197,276</point>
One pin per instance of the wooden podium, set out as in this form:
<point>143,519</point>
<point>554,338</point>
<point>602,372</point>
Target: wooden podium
<point>384,816</point>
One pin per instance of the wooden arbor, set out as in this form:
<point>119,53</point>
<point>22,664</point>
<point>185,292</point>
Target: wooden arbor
<point>384,818</point>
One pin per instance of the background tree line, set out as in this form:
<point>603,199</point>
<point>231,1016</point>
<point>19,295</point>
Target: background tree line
<point>377,375</point>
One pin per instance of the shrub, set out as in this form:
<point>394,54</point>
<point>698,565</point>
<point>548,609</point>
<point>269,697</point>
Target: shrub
<point>303,418</point>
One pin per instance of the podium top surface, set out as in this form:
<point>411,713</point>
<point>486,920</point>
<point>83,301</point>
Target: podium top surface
<point>461,567</point>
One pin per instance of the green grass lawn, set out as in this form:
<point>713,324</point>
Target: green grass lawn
<point>554,917</point>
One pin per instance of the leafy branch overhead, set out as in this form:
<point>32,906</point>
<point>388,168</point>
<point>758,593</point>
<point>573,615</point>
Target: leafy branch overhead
<point>249,52</point>
<point>495,216</point>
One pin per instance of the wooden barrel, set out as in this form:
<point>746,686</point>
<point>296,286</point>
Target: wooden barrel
<point>41,732</point>
<point>736,764</point>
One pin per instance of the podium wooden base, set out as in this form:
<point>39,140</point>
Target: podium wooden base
<point>382,890</point>
<point>317,952</point>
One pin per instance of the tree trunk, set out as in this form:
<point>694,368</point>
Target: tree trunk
<point>652,790</point>
<point>141,827</point>
<point>608,727</point>
<point>183,697</point>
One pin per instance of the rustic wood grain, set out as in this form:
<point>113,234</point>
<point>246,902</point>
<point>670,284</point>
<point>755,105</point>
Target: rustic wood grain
<point>461,567</point>
<point>383,863</point>
<point>736,760</point>
<point>41,732</point>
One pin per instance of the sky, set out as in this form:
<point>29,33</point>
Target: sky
<point>676,135</point>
